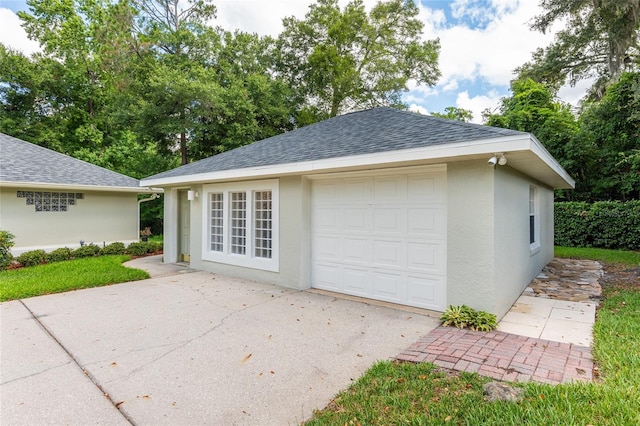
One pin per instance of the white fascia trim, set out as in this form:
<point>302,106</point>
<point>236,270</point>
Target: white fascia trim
<point>522,142</point>
<point>540,151</point>
<point>63,187</point>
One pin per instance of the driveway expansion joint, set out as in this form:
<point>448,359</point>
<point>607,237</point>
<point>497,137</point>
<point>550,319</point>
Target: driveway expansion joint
<point>75,361</point>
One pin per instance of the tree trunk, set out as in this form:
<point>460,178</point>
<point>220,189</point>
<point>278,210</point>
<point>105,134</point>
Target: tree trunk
<point>183,147</point>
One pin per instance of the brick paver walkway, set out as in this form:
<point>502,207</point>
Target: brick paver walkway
<point>503,356</point>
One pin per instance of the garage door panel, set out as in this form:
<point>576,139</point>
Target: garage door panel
<point>327,276</point>
<point>388,253</point>
<point>356,281</point>
<point>388,221</point>
<point>381,237</point>
<point>356,219</point>
<point>427,221</point>
<point>426,293</point>
<point>327,192</point>
<point>388,286</point>
<point>326,219</point>
<point>327,248</point>
<point>426,188</point>
<point>389,189</point>
<point>426,257</point>
<point>356,190</point>
<point>357,250</point>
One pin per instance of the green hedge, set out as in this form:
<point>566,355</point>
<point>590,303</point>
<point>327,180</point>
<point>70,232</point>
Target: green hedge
<point>604,224</point>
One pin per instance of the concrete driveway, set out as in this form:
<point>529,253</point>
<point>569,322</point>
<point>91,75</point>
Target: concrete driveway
<point>189,347</point>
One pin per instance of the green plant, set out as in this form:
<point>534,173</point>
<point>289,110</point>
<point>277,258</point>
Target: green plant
<point>113,248</point>
<point>139,248</point>
<point>465,317</point>
<point>604,224</point>
<point>86,251</point>
<point>482,321</point>
<point>59,255</point>
<point>6,242</point>
<point>32,258</point>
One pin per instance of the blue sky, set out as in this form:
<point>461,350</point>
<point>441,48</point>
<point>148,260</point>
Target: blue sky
<point>482,41</point>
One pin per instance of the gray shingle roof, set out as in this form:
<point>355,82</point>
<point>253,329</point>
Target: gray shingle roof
<point>21,161</point>
<point>365,132</point>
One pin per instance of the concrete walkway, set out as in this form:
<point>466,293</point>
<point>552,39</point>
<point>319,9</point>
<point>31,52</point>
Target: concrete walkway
<point>543,338</point>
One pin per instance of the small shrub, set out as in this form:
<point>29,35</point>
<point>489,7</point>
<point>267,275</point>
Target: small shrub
<point>155,246</point>
<point>32,258</point>
<point>6,242</point>
<point>139,248</point>
<point>465,317</point>
<point>86,251</point>
<point>59,255</point>
<point>113,248</point>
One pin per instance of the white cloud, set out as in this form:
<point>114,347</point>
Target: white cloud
<point>574,95</point>
<point>418,108</point>
<point>13,35</point>
<point>477,104</point>
<point>491,52</point>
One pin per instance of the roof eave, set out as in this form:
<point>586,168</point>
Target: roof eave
<point>524,153</point>
<point>76,187</point>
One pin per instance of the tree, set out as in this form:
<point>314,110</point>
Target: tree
<point>455,113</point>
<point>340,60</point>
<point>70,84</point>
<point>177,35</point>
<point>612,127</point>
<point>601,40</point>
<point>533,108</point>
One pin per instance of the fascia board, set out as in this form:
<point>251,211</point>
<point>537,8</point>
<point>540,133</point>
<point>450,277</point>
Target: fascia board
<point>448,152</point>
<point>63,187</point>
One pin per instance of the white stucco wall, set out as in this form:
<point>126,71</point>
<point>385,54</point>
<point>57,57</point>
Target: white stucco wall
<point>470,227</point>
<point>99,218</point>
<point>515,263</point>
<point>489,257</point>
<point>170,230</point>
<point>293,238</point>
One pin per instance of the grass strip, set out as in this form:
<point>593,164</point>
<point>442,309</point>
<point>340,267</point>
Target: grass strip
<point>64,276</point>
<point>621,258</point>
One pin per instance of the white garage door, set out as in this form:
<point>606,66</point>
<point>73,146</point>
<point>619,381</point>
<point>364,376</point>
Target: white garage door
<point>381,236</point>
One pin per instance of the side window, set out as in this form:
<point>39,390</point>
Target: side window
<point>532,215</point>
<point>534,219</point>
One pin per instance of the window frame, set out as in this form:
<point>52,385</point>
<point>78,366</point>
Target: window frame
<point>534,219</point>
<point>249,258</point>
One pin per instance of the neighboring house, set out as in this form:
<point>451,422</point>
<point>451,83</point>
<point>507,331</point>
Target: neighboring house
<point>50,200</point>
<point>382,204</point>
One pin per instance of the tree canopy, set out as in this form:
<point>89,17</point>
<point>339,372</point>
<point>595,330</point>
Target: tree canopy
<point>600,41</point>
<point>344,59</point>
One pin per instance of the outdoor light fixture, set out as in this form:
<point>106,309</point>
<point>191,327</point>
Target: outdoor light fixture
<point>192,195</point>
<point>497,159</point>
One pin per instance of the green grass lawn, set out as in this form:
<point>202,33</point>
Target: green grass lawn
<point>624,258</point>
<point>392,393</point>
<point>64,276</point>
